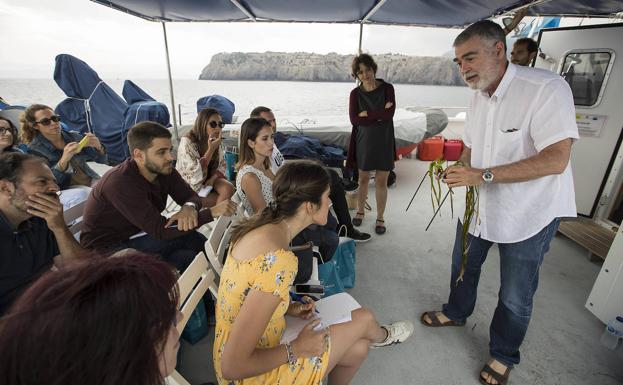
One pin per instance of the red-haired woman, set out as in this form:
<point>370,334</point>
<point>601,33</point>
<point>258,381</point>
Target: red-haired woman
<point>105,322</point>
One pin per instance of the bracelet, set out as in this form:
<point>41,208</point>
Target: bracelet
<point>290,353</point>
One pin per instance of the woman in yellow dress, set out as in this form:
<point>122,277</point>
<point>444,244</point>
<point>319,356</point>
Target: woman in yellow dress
<point>254,297</point>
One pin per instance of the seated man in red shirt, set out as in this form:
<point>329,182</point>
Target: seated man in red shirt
<point>130,197</point>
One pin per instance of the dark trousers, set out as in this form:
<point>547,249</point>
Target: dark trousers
<point>179,252</point>
<point>340,206</point>
<point>519,278</point>
<point>327,240</point>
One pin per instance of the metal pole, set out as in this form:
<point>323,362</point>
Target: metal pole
<point>166,49</point>
<point>360,35</point>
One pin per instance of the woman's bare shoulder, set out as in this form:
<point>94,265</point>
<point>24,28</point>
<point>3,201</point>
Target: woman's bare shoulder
<point>259,241</point>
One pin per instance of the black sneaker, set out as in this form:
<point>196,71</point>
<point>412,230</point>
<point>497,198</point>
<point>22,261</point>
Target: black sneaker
<point>358,236</point>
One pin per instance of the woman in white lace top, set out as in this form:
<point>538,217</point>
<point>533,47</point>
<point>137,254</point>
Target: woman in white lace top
<point>199,159</point>
<point>254,181</point>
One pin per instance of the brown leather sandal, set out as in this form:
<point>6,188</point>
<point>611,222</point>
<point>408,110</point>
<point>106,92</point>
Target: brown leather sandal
<point>380,229</point>
<point>358,221</point>
<point>435,322</point>
<point>501,379</point>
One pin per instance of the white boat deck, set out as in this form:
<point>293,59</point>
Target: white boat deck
<point>407,271</point>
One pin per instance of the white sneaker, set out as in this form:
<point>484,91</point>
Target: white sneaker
<point>396,333</point>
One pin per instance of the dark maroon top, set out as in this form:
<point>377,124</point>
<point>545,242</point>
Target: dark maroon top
<point>383,114</point>
<point>124,203</point>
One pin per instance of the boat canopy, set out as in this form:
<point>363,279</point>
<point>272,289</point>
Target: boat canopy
<point>457,13</point>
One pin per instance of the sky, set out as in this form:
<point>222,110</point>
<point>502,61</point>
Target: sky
<point>119,45</point>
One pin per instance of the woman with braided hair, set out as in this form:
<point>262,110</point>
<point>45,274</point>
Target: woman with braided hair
<point>253,297</point>
<point>254,183</point>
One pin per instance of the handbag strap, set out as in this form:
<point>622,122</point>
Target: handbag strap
<point>339,232</point>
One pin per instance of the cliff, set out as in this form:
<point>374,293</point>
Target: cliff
<point>303,66</point>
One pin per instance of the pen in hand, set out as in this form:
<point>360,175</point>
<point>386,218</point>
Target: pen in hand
<point>302,300</point>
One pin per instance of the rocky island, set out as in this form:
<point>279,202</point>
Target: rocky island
<point>332,67</point>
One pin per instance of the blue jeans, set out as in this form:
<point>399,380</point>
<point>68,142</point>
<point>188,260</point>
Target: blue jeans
<point>178,252</point>
<point>519,276</point>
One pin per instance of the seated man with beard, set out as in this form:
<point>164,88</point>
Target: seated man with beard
<point>129,198</point>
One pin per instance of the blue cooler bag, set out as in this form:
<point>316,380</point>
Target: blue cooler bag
<point>344,258</point>
<point>330,279</point>
<point>197,325</point>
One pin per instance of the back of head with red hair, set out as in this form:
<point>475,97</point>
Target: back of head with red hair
<point>99,323</point>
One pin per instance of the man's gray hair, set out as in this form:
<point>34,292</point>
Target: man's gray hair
<point>485,29</point>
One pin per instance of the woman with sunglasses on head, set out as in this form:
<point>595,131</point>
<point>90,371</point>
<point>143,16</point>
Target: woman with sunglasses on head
<point>200,160</point>
<point>8,136</point>
<point>67,157</point>
<point>103,322</point>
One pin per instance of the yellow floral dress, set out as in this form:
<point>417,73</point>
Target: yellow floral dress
<point>274,273</point>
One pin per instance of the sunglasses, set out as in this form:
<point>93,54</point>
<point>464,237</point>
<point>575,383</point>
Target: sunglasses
<point>4,130</point>
<point>214,124</point>
<point>48,121</point>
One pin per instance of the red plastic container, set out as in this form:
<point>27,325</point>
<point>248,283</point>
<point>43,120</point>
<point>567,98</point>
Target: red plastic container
<point>431,148</point>
<point>452,149</point>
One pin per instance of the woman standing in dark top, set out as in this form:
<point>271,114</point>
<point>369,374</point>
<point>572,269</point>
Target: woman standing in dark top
<point>372,145</point>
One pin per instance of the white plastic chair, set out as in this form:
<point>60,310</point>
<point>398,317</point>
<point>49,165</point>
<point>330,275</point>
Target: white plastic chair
<point>217,243</point>
<point>73,219</point>
<point>192,284</point>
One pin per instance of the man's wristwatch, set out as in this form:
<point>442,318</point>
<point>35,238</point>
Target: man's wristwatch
<point>487,176</point>
<point>192,204</point>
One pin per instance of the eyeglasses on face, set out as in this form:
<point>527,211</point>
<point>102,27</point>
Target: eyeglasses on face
<point>4,130</point>
<point>214,124</point>
<point>48,121</point>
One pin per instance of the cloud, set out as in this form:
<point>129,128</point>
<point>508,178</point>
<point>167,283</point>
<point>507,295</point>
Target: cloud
<point>119,45</point>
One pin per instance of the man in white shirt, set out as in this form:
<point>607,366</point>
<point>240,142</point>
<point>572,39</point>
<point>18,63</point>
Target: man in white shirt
<point>518,134</point>
<point>337,190</point>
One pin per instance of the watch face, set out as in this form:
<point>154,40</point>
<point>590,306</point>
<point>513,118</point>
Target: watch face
<point>487,176</point>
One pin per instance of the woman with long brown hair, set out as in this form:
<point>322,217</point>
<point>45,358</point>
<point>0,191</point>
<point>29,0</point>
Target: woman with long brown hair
<point>254,179</point>
<point>253,297</point>
<point>199,158</point>
<point>104,322</point>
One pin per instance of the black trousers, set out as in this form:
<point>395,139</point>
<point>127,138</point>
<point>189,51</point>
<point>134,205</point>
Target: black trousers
<point>338,197</point>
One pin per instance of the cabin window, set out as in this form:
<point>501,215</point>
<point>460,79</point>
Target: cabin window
<point>587,75</point>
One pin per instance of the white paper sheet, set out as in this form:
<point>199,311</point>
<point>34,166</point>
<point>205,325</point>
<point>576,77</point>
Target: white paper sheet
<point>204,191</point>
<point>332,310</point>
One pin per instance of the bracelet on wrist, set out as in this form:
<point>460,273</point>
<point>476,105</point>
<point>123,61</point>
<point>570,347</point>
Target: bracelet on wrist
<point>290,353</point>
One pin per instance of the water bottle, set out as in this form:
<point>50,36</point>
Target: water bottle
<point>613,333</point>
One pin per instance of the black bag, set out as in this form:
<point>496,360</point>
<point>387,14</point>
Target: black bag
<point>305,256</point>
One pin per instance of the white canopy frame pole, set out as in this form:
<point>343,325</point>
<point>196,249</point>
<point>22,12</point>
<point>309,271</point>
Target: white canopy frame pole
<point>360,37</point>
<point>173,110</point>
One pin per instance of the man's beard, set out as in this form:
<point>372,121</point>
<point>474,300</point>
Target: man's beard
<point>18,200</point>
<point>486,76</point>
<point>164,170</point>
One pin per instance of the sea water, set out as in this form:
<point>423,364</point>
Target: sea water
<point>291,101</point>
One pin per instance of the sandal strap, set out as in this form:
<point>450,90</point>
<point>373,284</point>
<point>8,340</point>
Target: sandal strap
<point>500,378</point>
<point>434,320</point>
<point>380,220</point>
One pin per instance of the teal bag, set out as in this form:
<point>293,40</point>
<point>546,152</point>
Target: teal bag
<point>344,258</point>
<point>330,279</point>
<point>197,326</point>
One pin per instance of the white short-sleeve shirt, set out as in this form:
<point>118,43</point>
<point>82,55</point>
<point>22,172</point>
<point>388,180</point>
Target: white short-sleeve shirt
<point>276,160</point>
<point>530,110</point>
